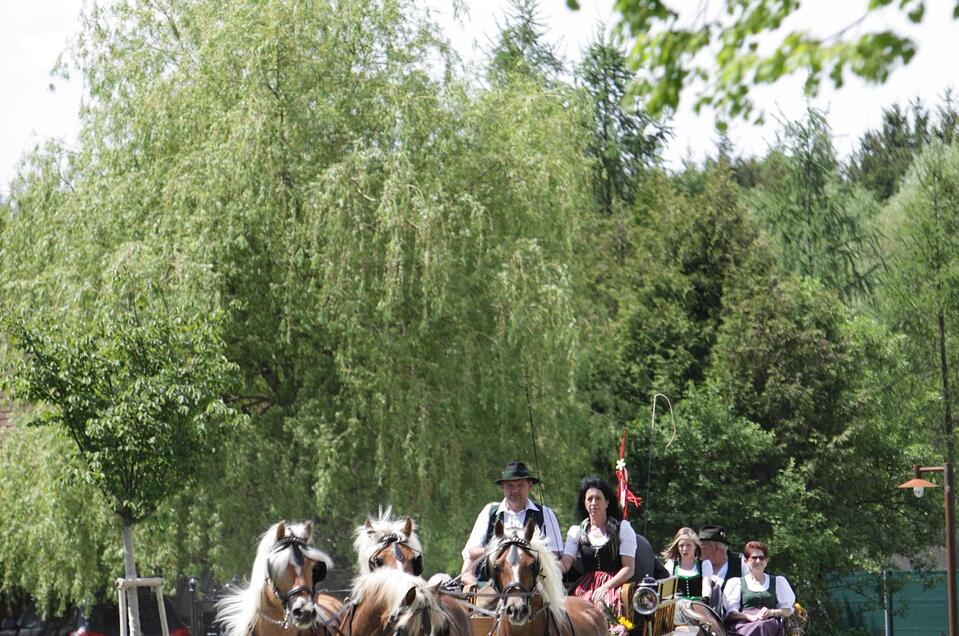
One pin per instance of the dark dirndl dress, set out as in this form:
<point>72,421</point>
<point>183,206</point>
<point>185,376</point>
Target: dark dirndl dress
<point>752,602</point>
<point>600,564</point>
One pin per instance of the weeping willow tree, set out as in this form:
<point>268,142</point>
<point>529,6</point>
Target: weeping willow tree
<point>393,252</point>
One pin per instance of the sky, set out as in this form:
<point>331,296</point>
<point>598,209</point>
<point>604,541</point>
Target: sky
<point>34,32</point>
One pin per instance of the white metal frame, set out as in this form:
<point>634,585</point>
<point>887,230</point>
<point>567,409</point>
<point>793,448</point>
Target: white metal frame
<point>157,584</point>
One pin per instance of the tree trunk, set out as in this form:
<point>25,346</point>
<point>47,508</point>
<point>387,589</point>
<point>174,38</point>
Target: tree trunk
<point>130,572</point>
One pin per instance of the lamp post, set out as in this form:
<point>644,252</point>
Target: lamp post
<point>918,484</point>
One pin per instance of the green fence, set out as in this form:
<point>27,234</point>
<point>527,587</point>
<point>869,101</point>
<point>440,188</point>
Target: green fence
<point>916,603</point>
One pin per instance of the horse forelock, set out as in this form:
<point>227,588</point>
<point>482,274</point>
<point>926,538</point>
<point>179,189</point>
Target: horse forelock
<point>281,554</point>
<point>387,588</point>
<point>368,541</point>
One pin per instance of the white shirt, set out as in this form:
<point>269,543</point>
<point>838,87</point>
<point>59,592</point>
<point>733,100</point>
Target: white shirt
<point>719,576</point>
<point>627,540</point>
<point>732,595</point>
<point>513,521</point>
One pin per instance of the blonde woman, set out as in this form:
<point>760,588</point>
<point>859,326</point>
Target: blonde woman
<point>684,560</point>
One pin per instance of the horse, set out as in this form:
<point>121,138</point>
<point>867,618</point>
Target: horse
<point>526,576</point>
<point>390,602</point>
<point>388,542</point>
<point>280,599</point>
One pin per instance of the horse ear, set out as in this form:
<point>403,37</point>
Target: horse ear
<point>369,527</point>
<point>280,530</point>
<point>408,527</point>
<point>530,529</point>
<point>498,529</point>
<point>410,596</point>
<point>308,528</point>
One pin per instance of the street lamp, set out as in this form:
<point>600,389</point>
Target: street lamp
<point>918,484</point>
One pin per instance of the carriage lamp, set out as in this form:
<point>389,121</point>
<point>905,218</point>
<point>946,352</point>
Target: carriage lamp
<point>646,599</point>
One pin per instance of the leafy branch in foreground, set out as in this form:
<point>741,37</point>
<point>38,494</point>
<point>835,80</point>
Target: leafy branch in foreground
<point>720,46</point>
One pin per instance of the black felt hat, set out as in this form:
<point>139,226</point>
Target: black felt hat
<point>516,470</point>
<point>713,533</point>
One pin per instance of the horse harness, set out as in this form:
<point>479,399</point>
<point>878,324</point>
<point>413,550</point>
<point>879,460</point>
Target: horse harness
<point>516,588</point>
<point>296,544</point>
<point>395,541</point>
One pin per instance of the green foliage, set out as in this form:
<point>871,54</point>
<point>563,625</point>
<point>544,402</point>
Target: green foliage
<point>687,252</point>
<point>140,394</point>
<point>885,155</point>
<point>710,469</point>
<point>391,257</point>
<point>60,538</point>
<point>672,51</point>
<point>918,295</point>
<point>824,228</point>
<point>623,140</point>
<point>783,362</point>
<point>522,50</point>
<point>394,259</point>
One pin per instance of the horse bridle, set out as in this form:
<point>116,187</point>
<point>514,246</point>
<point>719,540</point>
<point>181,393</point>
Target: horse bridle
<point>296,544</point>
<point>513,543</point>
<point>395,541</point>
<point>514,588</point>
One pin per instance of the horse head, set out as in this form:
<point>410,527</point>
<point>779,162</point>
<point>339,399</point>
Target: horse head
<point>414,615</point>
<point>294,567</point>
<point>514,566</point>
<point>390,602</point>
<point>386,542</point>
<point>279,593</point>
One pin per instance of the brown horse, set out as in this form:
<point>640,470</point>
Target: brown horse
<point>392,543</point>
<point>526,576</point>
<point>390,602</point>
<point>388,542</point>
<point>280,599</point>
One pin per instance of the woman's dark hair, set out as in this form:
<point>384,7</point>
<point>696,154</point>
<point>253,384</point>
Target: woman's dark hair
<point>593,481</point>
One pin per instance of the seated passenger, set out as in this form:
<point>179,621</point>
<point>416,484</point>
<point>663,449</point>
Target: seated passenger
<point>604,543</point>
<point>726,564</point>
<point>684,561</point>
<point>756,602</point>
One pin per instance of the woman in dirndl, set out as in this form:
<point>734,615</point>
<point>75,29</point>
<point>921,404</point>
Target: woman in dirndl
<point>756,603</point>
<point>684,560</point>
<point>604,543</point>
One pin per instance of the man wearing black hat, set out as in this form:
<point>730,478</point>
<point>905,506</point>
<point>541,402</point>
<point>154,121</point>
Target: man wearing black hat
<point>726,564</point>
<point>514,511</point>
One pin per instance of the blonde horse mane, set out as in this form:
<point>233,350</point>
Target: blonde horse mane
<point>237,613</point>
<point>386,588</point>
<point>550,582</point>
<point>367,538</point>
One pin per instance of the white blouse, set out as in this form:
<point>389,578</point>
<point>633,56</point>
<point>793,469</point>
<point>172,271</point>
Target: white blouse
<point>732,595</point>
